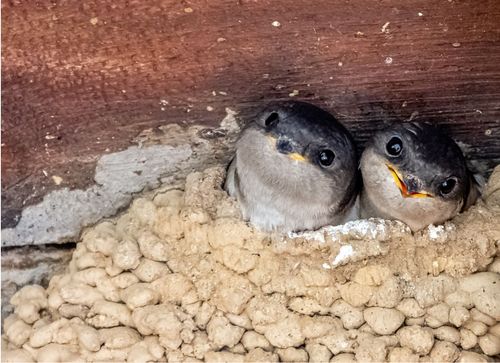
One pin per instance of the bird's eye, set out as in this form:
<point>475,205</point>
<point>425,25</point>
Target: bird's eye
<point>272,120</point>
<point>394,146</point>
<point>326,157</point>
<point>447,186</point>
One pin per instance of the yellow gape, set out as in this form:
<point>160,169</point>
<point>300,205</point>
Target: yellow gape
<point>398,179</point>
<point>293,156</point>
<point>296,157</point>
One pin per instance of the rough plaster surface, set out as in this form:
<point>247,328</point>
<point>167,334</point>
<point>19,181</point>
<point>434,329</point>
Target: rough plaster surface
<point>31,265</point>
<point>167,155</point>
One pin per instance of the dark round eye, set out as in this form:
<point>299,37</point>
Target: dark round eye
<point>447,186</point>
<point>326,157</point>
<point>394,146</point>
<point>272,119</point>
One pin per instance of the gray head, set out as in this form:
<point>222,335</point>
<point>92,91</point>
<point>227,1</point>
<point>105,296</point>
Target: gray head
<point>299,153</point>
<point>415,173</point>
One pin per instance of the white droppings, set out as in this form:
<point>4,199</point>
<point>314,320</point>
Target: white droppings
<point>318,235</point>
<point>359,229</point>
<point>276,24</point>
<point>326,266</point>
<point>362,229</point>
<point>435,231</point>
<point>163,102</point>
<point>294,93</point>
<point>385,27</point>
<point>210,108</point>
<point>440,233</point>
<point>388,60</point>
<point>420,14</point>
<point>344,253</point>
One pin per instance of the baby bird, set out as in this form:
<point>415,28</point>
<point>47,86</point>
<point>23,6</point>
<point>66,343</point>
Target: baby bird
<point>414,173</point>
<point>295,169</point>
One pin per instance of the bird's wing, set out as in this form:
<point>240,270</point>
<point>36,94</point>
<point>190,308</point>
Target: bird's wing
<point>230,184</point>
<point>475,189</point>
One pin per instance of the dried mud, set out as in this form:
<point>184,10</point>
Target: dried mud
<point>180,277</point>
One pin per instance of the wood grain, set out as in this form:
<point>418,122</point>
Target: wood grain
<point>84,78</point>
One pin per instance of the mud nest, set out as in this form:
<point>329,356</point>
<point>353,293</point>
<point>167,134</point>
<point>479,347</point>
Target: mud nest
<point>180,277</point>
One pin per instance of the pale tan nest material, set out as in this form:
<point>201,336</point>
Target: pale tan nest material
<point>180,277</point>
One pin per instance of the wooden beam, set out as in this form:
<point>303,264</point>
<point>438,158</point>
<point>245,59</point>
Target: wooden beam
<point>81,79</point>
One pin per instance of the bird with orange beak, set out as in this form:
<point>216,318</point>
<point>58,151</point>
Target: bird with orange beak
<point>415,173</point>
<point>295,169</point>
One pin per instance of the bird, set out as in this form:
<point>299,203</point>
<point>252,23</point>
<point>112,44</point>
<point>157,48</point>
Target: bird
<point>295,169</point>
<point>413,172</point>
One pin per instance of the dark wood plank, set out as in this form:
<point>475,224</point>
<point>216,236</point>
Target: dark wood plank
<point>83,78</point>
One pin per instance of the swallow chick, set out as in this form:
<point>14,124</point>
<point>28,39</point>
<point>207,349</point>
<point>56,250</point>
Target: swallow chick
<point>414,173</point>
<point>295,169</point>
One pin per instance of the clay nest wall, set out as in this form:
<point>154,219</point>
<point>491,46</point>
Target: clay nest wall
<point>180,277</point>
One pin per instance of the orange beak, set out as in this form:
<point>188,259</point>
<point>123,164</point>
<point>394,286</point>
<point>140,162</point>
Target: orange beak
<point>398,179</point>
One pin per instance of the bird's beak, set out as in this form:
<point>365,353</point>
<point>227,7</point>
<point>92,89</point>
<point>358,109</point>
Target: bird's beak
<point>296,157</point>
<point>286,148</point>
<point>408,190</point>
